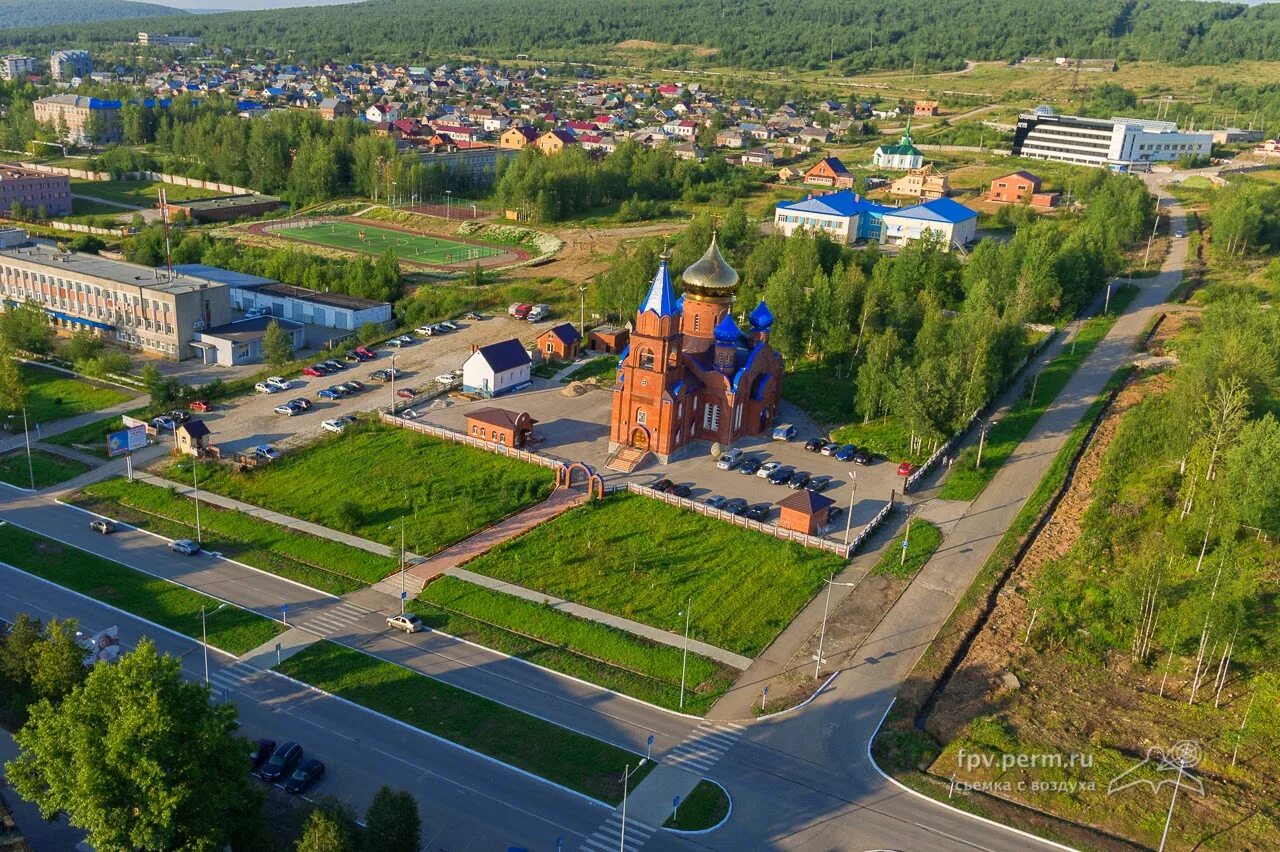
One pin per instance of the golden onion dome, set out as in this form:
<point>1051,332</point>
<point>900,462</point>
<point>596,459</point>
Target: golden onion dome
<point>711,275</point>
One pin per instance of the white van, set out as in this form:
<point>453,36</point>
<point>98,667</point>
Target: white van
<point>538,312</point>
<point>784,432</point>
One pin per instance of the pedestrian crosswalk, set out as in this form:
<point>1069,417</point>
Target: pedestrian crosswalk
<point>228,679</point>
<point>333,619</point>
<point>609,837</point>
<point>704,747</point>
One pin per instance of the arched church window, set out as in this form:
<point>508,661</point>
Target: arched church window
<point>646,359</point>
<point>697,321</point>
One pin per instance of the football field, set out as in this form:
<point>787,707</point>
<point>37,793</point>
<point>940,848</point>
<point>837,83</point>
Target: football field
<point>371,239</point>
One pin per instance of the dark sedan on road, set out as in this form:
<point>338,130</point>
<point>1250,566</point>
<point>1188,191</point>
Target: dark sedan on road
<point>261,753</point>
<point>716,501</point>
<point>736,506</point>
<point>862,457</point>
<point>283,761</point>
<point>304,777</point>
<point>750,465</point>
<point>818,483</point>
<point>845,453</point>
<point>682,491</point>
<point>813,445</point>
<point>798,480</point>
<point>759,512</point>
<point>663,486</point>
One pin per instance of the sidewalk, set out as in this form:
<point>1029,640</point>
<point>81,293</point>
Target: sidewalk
<point>57,427</point>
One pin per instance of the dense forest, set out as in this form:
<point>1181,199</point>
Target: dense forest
<point>853,34</point>
<point>43,13</point>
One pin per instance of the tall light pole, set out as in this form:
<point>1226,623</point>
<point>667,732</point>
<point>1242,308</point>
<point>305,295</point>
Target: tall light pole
<point>627,771</point>
<point>582,311</point>
<point>848,522</point>
<point>448,203</point>
<point>204,640</point>
<point>394,185</point>
<point>822,637</point>
<point>684,661</point>
<point>906,535</point>
<point>27,435</point>
<point>982,440</point>
<point>393,384</point>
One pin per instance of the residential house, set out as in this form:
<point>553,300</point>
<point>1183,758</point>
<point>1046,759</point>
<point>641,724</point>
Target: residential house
<point>1021,187</point>
<point>517,137</point>
<point>761,157</point>
<point>500,426</point>
<point>923,183</point>
<point>829,171</point>
<point>496,369</point>
<point>925,108</point>
<point>555,141</point>
<point>560,342</point>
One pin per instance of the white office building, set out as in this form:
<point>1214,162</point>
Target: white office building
<point>1119,144</point>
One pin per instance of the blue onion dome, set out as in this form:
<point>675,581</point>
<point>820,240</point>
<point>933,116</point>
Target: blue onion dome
<point>761,318</point>
<point>727,331</point>
<point>711,274</point>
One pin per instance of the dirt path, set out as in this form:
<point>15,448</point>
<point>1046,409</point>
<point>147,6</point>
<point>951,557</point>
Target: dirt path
<point>587,251</point>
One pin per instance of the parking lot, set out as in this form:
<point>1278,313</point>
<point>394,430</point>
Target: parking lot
<point>251,421</point>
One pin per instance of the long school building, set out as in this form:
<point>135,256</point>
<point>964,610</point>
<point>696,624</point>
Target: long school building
<point>137,306</point>
<point>1119,144</point>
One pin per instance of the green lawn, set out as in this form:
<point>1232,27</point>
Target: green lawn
<point>705,806</point>
<point>369,478</point>
<point>233,630</point>
<point>370,239</point>
<point>547,369</point>
<point>925,538</point>
<point>137,193</point>
<point>317,562</point>
<point>575,646</point>
<point>89,438</point>
<point>557,754</point>
<point>82,208</point>
<point>643,560</point>
<point>816,389</point>
<point>605,366</point>
<point>49,469</point>
<point>52,395</point>
<point>966,480</point>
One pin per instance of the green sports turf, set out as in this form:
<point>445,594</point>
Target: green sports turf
<point>412,247</point>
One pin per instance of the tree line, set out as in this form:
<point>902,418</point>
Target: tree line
<point>851,35</point>
<point>573,182</point>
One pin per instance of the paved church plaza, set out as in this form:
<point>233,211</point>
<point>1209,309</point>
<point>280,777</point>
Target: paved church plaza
<point>577,429</point>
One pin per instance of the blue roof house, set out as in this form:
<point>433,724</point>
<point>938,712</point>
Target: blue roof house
<point>952,222</point>
<point>845,216</point>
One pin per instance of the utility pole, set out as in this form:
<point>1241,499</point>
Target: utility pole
<point>26,434</point>
<point>582,311</point>
<point>684,660</point>
<point>195,484</point>
<point>822,636</point>
<point>982,441</point>
<point>848,522</point>
<point>1156,224</point>
<point>906,538</point>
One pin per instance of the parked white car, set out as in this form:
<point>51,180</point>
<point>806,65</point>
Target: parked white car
<point>337,424</point>
<point>263,387</point>
<point>279,383</point>
<point>407,622</point>
<point>445,378</point>
<point>768,468</point>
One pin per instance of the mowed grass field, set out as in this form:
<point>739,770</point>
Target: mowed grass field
<point>369,478</point>
<point>645,560</point>
<point>52,395</point>
<point>371,239</point>
<point>48,469</point>
<point>137,193</point>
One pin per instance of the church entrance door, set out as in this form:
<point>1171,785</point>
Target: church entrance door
<point>640,439</point>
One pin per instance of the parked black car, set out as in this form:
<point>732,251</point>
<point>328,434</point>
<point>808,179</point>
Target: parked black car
<point>813,445</point>
<point>798,480</point>
<point>834,514</point>
<point>750,465</point>
<point>861,457</point>
<point>283,761</point>
<point>818,483</point>
<point>304,777</point>
<point>781,475</point>
<point>736,506</point>
<point>663,485</point>
<point>682,491</point>
<point>759,511</point>
<point>261,753</point>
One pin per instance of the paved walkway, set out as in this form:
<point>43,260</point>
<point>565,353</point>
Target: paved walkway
<point>68,452</point>
<point>66,424</point>
<point>664,637</point>
<point>561,500</point>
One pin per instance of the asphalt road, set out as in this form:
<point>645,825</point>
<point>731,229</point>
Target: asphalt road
<point>467,802</point>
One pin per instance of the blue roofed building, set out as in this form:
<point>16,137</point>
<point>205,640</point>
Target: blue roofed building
<point>845,216</point>
<point>950,221</point>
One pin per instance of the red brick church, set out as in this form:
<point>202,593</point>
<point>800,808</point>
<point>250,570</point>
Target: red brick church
<point>690,373</point>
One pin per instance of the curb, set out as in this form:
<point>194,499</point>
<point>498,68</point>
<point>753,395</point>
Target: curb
<point>207,553</point>
<point>18,487</point>
<point>895,782</point>
<point>816,693</point>
<point>526,773</point>
<point>728,815</point>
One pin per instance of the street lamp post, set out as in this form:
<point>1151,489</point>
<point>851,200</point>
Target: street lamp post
<point>31,471</point>
<point>448,203</point>
<point>822,637</point>
<point>582,311</point>
<point>684,661</point>
<point>982,440</point>
<point>906,538</point>
<point>393,384</point>
<point>394,185</point>
<point>204,640</point>
<point>627,772</point>
<point>848,522</point>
